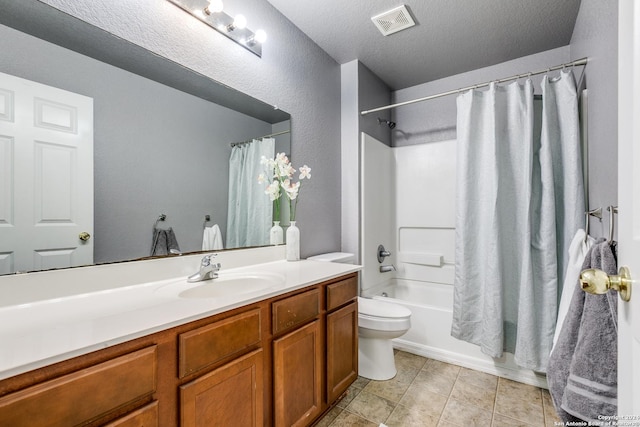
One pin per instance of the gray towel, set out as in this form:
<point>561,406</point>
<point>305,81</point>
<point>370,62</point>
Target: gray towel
<point>163,242</point>
<point>582,372</point>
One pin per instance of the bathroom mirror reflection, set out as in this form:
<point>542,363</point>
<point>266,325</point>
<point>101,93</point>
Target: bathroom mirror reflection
<point>161,144</point>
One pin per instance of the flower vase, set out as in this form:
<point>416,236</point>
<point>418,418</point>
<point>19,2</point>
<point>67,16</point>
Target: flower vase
<point>276,234</point>
<point>293,242</point>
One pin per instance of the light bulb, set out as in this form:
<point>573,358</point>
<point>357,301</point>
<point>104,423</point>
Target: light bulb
<point>214,6</point>
<point>239,22</point>
<point>260,36</point>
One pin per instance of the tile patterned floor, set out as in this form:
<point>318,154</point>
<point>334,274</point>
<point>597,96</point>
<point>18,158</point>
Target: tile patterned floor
<point>427,393</point>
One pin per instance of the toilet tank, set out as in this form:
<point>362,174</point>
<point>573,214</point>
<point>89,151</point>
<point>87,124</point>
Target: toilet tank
<point>341,257</point>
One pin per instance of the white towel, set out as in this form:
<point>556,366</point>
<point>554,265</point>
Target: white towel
<point>577,252</point>
<point>212,238</point>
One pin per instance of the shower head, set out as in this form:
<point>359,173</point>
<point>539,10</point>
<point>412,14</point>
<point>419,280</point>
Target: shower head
<point>387,122</point>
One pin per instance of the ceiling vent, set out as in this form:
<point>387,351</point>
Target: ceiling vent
<point>394,20</point>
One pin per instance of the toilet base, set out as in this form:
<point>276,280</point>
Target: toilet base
<point>375,359</point>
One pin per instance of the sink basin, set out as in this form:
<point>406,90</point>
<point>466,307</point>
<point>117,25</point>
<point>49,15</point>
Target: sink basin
<point>226,285</point>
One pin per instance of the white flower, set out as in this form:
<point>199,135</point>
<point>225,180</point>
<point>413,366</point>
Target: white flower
<point>282,158</point>
<point>305,172</point>
<point>291,189</point>
<point>273,190</point>
<point>283,170</point>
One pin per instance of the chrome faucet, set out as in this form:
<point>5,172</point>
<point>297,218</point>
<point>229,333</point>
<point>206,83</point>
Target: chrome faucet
<point>387,268</point>
<point>208,270</point>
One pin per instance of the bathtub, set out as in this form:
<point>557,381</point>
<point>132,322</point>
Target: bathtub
<point>431,306</point>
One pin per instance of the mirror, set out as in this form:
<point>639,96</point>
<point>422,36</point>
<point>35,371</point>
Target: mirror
<point>162,139</point>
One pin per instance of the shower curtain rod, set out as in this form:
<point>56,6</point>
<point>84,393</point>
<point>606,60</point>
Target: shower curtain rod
<point>575,63</point>
<point>233,144</point>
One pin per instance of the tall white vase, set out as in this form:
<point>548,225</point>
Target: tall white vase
<point>276,234</point>
<point>293,242</point>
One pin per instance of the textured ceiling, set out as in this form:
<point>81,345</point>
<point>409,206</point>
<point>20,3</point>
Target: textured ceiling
<point>452,36</point>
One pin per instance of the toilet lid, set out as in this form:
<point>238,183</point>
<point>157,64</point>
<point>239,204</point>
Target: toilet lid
<point>377,308</point>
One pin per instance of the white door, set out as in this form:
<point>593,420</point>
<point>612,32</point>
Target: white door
<point>629,207</point>
<point>46,176</point>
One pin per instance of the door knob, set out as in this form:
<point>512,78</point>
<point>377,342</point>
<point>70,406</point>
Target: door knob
<point>84,236</point>
<point>596,281</point>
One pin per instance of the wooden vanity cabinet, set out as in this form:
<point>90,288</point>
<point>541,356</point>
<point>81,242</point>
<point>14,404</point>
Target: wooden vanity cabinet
<point>314,364</point>
<point>342,336</point>
<point>86,396</point>
<point>342,350</point>
<point>297,359</point>
<point>143,417</point>
<point>233,393</point>
<point>283,361</point>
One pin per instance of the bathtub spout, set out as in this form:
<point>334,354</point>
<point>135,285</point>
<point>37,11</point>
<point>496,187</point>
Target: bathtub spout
<point>387,268</point>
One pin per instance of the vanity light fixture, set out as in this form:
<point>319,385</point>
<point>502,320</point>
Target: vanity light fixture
<point>214,6</point>
<point>259,37</point>
<point>211,12</point>
<point>239,22</point>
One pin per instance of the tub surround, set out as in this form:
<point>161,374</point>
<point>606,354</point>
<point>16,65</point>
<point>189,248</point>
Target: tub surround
<point>47,317</point>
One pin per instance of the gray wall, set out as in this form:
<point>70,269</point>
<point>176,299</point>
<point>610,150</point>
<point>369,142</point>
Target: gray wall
<point>373,92</point>
<point>596,36</point>
<point>435,120</point>
<point>156,150</point>
<point>293,73</point>
<point>361,90</point>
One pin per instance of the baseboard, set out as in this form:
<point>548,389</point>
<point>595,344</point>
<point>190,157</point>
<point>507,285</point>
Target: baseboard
<point>515,374</point>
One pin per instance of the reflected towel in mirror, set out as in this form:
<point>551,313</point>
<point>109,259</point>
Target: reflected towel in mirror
<point>212,238</point>
<point>164,241</point>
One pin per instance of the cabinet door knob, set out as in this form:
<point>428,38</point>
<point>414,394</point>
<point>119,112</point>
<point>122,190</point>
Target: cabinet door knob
<point>84,236</point>
<point>596,281</point>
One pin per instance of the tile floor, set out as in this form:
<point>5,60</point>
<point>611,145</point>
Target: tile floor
<point>427,392</point>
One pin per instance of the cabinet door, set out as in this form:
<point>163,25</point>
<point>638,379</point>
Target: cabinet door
<point>297,376</point>
<point>342,350</point>
<point>232,395</point>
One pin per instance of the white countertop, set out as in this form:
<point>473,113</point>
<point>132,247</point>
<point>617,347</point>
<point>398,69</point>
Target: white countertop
<point>45,331</point>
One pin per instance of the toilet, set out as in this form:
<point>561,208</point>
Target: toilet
<point>378,323</point>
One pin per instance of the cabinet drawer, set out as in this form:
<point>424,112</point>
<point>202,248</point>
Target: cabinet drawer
<point>295,310</point>
<point>341,292</point>
<point>143,417</point>
<point>84,395</point>
<point>212,343</point>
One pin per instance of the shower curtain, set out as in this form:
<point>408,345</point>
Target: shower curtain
<point>250,210</point>
<point>520,199</point>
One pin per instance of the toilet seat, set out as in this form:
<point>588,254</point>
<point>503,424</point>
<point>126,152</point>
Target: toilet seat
<point>382,316</point>
<point>376,308</point>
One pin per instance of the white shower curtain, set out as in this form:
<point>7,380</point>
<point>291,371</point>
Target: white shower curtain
<point>519,201</point>
<point>250,210</point>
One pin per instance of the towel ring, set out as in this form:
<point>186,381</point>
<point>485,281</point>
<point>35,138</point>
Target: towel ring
<point>207,218</point>
<point>161,217</point>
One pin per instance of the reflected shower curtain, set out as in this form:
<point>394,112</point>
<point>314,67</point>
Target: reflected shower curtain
<point>250,210</point>
<point>519,202</point>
